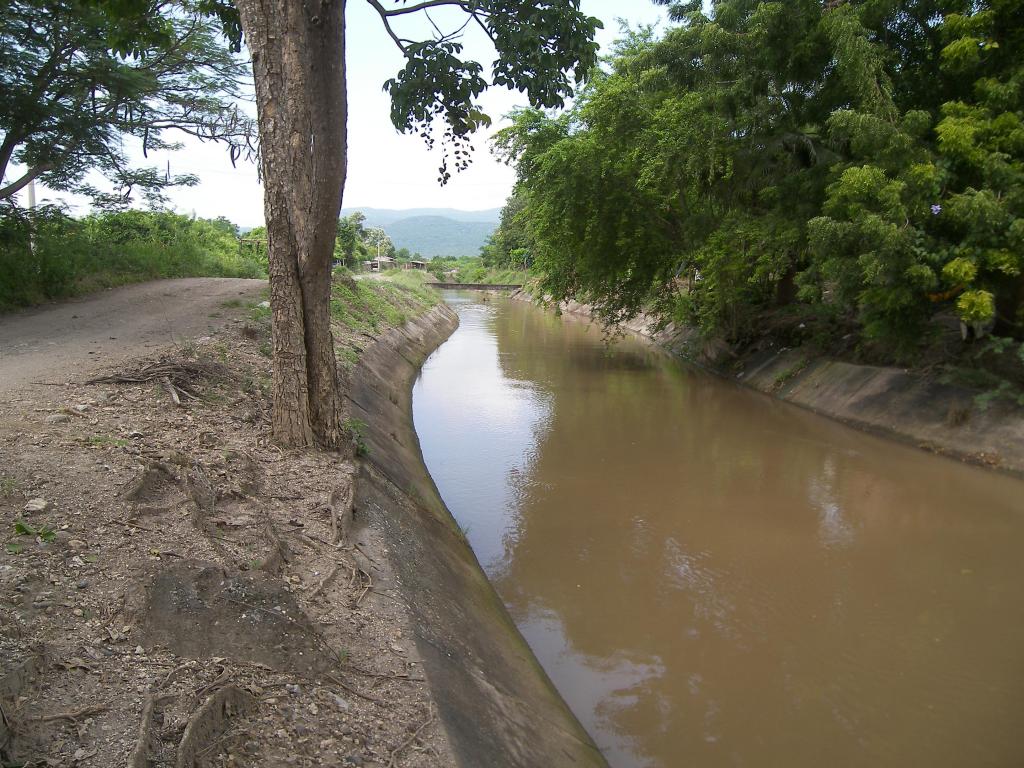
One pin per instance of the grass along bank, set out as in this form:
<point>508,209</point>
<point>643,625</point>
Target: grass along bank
<point>360,310</point>
<point>473,269</point>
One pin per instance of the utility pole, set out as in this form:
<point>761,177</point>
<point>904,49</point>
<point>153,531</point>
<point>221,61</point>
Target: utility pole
<point>32,207</point>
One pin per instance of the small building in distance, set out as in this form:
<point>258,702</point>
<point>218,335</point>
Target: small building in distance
<point>380,264</point>
<point>415,265</point>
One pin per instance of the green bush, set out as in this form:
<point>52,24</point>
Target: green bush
<point>47,255</point>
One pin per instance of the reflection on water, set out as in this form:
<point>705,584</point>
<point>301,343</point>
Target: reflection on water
<point>714,578</point>
<point>480,412</point>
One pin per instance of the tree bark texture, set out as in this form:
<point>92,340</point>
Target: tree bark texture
<point>298,50</point>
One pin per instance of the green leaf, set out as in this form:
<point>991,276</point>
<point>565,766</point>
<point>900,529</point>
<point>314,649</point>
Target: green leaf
<point>46,534</point>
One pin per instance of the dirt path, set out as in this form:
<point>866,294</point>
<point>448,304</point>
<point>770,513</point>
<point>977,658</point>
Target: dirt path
<point>174,587</point>
<point>55,343</point>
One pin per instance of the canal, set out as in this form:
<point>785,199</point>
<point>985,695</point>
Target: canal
<point>714,578</point>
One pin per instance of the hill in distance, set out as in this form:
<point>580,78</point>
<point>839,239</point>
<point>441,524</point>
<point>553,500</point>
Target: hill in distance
<point>433,231</point>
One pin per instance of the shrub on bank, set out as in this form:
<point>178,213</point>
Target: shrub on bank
<point>47,255</point>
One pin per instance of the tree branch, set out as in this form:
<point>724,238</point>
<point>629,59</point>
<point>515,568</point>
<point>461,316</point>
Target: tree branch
<point>418,7</point>
<point>6,150</point>
<point>483,26</point>
<point>383,13</point>
<point>24,181</point>
<point>446,36</point>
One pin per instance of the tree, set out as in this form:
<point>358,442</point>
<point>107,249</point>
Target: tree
<point>78,77</point>
<point>678,175</point>
<point>298,49</point>
<point>856,163</point>
<point>348,238</point>
<point>379,243</point>
<point>510,246</point>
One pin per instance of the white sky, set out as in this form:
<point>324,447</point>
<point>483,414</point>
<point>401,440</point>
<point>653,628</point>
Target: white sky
<point>385,169</point>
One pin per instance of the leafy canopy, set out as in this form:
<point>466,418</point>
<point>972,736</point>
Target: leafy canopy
<point>856,162</point>
<point>542,47</point>
<point>77,77</point>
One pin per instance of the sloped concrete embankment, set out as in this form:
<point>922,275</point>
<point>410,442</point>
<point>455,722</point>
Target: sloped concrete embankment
<point>497,704</point>
<point>892,402</point>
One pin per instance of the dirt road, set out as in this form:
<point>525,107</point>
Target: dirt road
<point>63,342</point>
<point>127,520</point>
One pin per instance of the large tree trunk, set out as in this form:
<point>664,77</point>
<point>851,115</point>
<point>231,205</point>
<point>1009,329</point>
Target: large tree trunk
<point>298,49</point>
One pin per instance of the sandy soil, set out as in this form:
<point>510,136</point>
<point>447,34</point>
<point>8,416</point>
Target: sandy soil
<point>58,341</point>
<point>174,589</point>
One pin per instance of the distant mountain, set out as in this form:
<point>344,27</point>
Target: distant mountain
<point>434,231</point>
<point>379,217</point>
<point>439,236</point>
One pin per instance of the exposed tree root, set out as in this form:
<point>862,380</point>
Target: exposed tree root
<point>179,377</point>
<point>11,687</point>
<point>140,756</point>
<point>208,723</point>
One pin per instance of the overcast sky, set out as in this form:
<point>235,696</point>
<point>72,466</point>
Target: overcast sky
<point>385,169</point>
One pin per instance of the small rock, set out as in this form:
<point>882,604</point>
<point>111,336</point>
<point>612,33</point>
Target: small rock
<point>78,612</point>
<point>83,584</point>
<point>57,418</point>
<point>341,704</point>
<point>37,505</point>
<point>76,544</point>
<point>314,709</point>
<point>354,759</point>
<point>293,689</point>
<point>264,305</point>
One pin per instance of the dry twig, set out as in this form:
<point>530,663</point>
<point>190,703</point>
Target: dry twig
<point>367,588</point>
<point>326,580</point>
<point>384,676</point>
<point>73,716</point>
<point>166,380</point>
<point>408,742</point>
<point>356,692</point>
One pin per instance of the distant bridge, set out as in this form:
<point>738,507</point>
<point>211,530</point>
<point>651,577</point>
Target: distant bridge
<point>477,286</point>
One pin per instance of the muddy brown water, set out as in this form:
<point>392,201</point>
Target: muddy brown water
<point>714,578</point>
